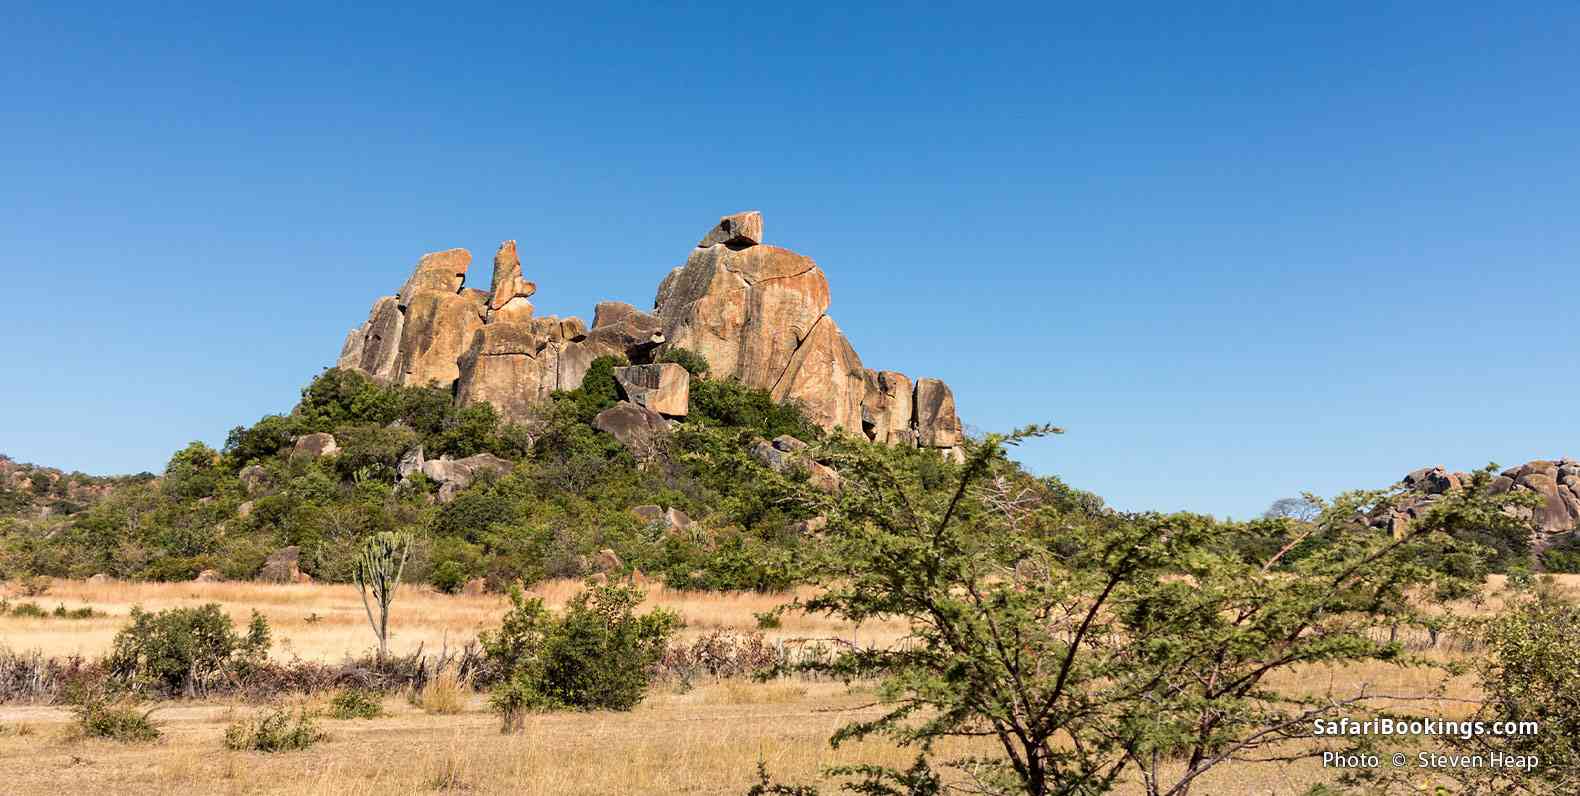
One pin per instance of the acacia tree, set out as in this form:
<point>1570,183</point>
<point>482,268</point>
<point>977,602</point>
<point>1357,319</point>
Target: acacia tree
<point>378,570</point>
<point>1092,647</point>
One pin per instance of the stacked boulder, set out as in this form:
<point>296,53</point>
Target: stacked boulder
<point>755,312</point>
<point>1556,482</point>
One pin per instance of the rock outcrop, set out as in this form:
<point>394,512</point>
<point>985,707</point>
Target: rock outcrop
<point>313,446</point>
<point>1556,482</point>
<point>755,312</point>
<point>664,388</point>
<point>636,427</point>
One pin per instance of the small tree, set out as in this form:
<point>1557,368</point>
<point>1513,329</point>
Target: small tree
<point>185,650</point>
<point>597,654</point>
<point>1095,648</point>
<point>378,570</point>
<point>1530,673</point>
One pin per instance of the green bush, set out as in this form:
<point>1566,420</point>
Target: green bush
<point>1563,556</point>
<point>99,716</point>
<point>184,650</point>
<point>1528,673</point>
<point>448,577</point>
<point>597,654</point>
<point>356,703</point>
<point>693,362</point>
<point>728,402</point>
<point>28,610</point>
<point>278,730</point>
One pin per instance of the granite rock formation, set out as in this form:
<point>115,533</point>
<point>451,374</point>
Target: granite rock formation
<point>755,312</point>
<point>1556,482</point>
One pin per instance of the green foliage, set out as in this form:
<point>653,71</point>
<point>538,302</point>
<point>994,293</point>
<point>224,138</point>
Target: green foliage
<point>356,703</point>
<point>1095,646</point>
<point>728,402</point>
<point>598,391</point>
<point>28,611</point>
<point>185,650</point>
<point>1528,674</point>
<point>694,363</point>
<point>448,577</point>
<point>193,472</point>
<point>264,439</point>
<point>100,716</point>
<point>597,654</point>
<point>278,730</point>
<point>1563,556</point>
<point>377,574</point>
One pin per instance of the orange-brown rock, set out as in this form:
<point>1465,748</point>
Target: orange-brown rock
<point>664,388</point>
<point>886,406</point>
<point>381,342</point>
<point>739,231</point>
<point>826,378</point>
<point>442,271</point>
<point>510,366</point>
<point>438,328</point>
<point>745,311</point>
<point>508,284</point>
<point>937,424</point>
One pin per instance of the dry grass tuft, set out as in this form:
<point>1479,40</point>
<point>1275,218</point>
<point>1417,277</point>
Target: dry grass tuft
<point>447,694</point>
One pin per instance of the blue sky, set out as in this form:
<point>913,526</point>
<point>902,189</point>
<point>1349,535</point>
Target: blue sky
<point>1238,252</point>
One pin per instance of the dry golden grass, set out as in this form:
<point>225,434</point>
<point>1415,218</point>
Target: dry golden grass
<point>328,622</point>
<point>707,740</point>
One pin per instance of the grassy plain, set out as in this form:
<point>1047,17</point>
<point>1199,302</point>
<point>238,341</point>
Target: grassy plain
<point>706,740</point>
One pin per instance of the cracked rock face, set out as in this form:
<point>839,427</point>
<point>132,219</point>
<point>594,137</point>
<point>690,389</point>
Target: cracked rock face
<point>755,312</point>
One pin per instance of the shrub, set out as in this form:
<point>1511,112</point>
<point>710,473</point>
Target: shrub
<point>448,577</point>
<point>28,610</point>
<point>62,612</point>
<point>598,654</point>
<point>100,716</point>
<point>1528,673</point>
<point>278,730</point>
<point>693,362</point>
<point>356,703</point>
<point>184,650</point>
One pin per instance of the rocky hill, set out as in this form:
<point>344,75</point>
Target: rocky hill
<point>1555,481</point>
<point>757,313</point>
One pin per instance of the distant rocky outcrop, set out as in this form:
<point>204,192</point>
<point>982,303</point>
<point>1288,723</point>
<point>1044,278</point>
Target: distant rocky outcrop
<point>1556,481</point>
<point>755,312</point>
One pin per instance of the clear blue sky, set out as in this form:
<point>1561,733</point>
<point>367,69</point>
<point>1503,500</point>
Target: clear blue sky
<point>1238,251</point>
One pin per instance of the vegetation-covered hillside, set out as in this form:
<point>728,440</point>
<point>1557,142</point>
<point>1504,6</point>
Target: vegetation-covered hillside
<point>565,505</point>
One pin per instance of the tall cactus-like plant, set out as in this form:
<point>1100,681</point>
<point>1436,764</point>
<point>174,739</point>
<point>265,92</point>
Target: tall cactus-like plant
<point>378,570</point>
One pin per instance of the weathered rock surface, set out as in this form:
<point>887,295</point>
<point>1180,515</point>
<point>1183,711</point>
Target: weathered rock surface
<point>443,272</point>
<point>937,424</point>
<point>739,230</point>
<point>787,455</point>
<point>755,312</point>
<point>664,388</point>
<point>438,328</point>
<point>826,378</point>
<point>672,520</point>
<point>1556,482</point>
<point>254,478</point>
<point>315,445</point>
<point>509,285</point>
<point>510,366</point>
<point>283,566</point>
<point>636,427</point>
<point>455,475</point>
<point>886,406</point>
